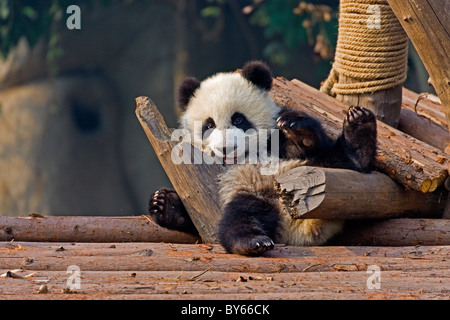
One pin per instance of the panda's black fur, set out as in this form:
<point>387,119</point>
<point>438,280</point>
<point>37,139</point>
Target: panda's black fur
<point>252,219</point>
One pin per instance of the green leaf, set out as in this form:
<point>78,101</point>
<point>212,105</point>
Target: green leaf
<point>211,11</point>
<point>30,13</point>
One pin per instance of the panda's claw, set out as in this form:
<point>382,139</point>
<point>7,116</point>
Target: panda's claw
<point>260,244</point>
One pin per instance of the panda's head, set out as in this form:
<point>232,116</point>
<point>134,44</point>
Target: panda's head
<point>227,108</point>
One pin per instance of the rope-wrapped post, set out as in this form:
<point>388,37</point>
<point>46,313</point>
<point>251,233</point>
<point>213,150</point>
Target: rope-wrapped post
<point>370,60</point>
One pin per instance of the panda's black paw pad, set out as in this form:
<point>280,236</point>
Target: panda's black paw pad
<point>358,115</point>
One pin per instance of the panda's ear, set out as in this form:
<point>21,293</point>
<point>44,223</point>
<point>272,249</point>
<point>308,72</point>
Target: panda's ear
<point>258,73</point>
<point>186,92</point>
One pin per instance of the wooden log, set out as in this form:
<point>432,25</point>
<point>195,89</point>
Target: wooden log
<point>427,24</point>
<point>395,232</point>
<point>89,229</point>
<point>324,193</point>
<point>193,179</point>
<point>424,119</point>
<point>426,105</point>
<point>425,130</point>
<point>411,162</point>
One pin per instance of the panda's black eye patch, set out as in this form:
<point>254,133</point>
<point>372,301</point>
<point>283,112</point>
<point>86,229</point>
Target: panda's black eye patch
<point>207,125</point>
<point>240,121</point>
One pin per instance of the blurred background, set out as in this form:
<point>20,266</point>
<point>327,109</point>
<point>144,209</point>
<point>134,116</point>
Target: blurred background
<point>70,143</point>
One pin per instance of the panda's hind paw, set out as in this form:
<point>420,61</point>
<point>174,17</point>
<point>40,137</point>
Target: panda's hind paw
<point>166,208</point>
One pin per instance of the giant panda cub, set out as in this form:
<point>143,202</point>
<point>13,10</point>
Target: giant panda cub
<point>253,218</point>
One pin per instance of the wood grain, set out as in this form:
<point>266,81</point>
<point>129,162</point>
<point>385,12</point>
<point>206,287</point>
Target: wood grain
<point>118,271</point>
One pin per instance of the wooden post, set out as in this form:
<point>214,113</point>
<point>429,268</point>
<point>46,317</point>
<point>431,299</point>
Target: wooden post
<point>324,193</point>
<point>427,23</point>
<point>194,183</point>
<point>370,60</point>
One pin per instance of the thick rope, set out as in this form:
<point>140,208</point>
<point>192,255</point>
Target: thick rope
<point>373,54</point>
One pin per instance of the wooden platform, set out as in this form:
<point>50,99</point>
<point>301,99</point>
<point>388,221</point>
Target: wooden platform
<point>204,272</point>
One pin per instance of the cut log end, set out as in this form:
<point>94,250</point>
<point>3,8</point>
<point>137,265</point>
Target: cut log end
<point>301,190</point>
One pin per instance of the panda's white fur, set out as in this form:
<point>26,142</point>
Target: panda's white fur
<point>219,97</point>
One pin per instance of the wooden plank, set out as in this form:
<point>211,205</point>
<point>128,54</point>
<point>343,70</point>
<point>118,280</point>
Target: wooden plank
<point>325,193</point>
<point>427,25</point>
<point>88,229</point>
<point>409,161</point>
<point>194,182</point>
<point>165,257</point>
<point>320,272</point>
<point>224,285</point>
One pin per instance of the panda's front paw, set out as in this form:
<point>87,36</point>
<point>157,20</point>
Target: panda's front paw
<point>260,244</point>
<point>252,245</point>
<point>358,115</point>
<point>166,208</point>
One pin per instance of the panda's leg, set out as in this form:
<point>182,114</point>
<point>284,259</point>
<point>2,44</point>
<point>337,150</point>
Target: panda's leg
<point>166,208</point>
<point>360,134</point>
<point>248,225</point>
